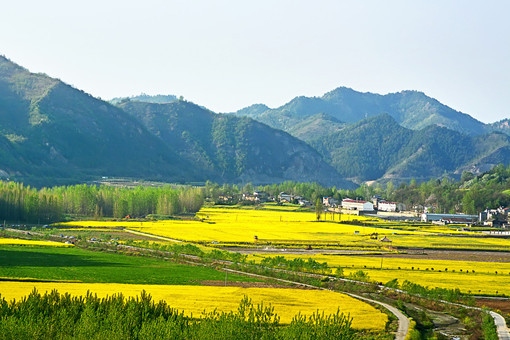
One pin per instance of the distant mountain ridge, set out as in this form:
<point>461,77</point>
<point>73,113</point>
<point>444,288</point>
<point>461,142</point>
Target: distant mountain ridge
<point>146,98</point>
<point>411,109</point>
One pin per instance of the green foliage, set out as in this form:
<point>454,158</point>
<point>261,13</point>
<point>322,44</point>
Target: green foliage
<point>25,204</point>
<point>296,264</point>
<point>452,295</point>
<point>489,328</point>
<point>56,316</point>
<point>319,209</point>
<point>359,275</point>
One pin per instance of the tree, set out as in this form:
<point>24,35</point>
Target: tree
<point>318,209</point>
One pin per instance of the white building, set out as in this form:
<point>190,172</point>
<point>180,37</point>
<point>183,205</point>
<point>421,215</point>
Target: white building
<point>426,217</point>
<point>350,204</point>
<point>390,206</point>
<point>386,206</point>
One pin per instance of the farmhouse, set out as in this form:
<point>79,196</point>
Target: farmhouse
<point>329,202</point>
<point>494,217</point>
<point>351,204</point>
<point>257,197</point>
<point>304,203</point>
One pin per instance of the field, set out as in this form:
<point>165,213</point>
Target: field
<point>87,266</point>
<point>424,254</point>
<point>32,243</point>
<point>432,273</point>
<point>286,228</point>
<point>184,287</point>
<point>289,228</point>
<point>194,300</point>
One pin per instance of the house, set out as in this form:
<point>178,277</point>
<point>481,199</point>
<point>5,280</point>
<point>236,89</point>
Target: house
<point>329,202</point>
<point>497,218</point>
<point>304,203</point>
<point>261,195</point>
<point>351,204</point>
<point>283,197</point>
<point>385,239</point>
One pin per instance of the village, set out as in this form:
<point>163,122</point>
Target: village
<point>497,218</point>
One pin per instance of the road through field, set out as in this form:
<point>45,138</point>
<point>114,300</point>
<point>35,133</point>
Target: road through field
<point>403,321</point>
<point>151,235</point>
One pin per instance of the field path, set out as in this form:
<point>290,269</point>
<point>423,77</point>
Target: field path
<point>403,321</point>
<point>151,235</point>
<point>503,332</point>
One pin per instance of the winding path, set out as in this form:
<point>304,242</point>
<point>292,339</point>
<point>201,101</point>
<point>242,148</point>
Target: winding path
<point>403,321</point>
<point>502,329</point>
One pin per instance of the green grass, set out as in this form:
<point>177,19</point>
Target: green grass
<point>88,266</point>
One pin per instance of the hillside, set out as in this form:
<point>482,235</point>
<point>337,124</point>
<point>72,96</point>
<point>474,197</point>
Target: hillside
<point>234,149</point>
<point>53,133</point>
<point>379,148</point>
<point>411,109</point>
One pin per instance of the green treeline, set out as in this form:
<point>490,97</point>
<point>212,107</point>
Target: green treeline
<point>310,191</point>
<point>28,205</point>
<point>61,316</point>
<point>470,195</point>
<point>24,204</point>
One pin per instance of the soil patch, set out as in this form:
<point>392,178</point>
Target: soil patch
<point>250,284</point>
<point>502,305</point>
<point>454,255</point>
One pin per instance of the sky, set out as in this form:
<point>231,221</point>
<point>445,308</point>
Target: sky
<point>229,54</point>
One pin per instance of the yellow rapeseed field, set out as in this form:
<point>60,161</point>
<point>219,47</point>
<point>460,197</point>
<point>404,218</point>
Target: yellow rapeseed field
<point>193,300</point>
<point>241,225</point>
<point>465,275</point>
<point>17,242</point>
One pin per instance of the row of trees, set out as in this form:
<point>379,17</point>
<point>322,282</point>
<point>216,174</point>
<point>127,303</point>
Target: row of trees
<point>29,205</point>
<point>61,316</point>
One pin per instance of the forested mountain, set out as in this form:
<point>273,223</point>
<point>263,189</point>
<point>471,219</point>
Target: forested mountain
<point>411,109</point>
<point>235,149</point>
<point>379,147</point>
<point>51,132</point>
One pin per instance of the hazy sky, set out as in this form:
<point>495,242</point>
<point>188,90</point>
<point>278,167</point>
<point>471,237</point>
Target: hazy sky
<point>229,54</point>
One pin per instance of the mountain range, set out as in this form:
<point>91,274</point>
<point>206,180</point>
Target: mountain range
<point>398,136</point>
<point>52,133</point>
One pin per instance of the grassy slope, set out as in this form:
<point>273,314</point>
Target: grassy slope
<point>88,266</point>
